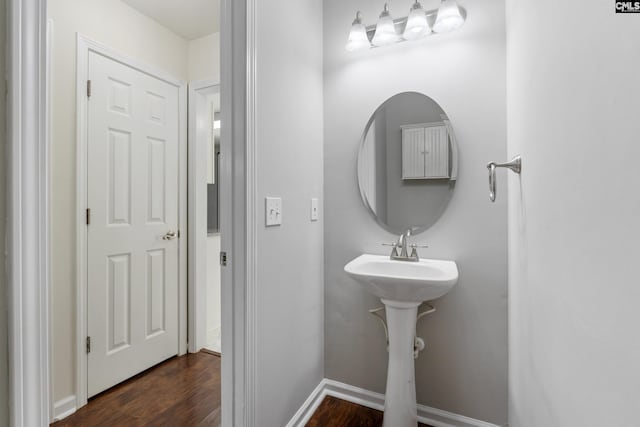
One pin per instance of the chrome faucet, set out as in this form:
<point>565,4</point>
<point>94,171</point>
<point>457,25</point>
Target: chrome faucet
<point>399,251</point>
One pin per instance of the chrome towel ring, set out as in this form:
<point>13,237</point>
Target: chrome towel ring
<point>515,165</point>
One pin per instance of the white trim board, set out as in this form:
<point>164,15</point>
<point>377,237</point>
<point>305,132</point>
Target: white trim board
<point>197,213</point>
<point>238,221</point>
<point>427,415</point>
<point>63,408</point>
<point>86,45</point>
<point>252,215</point>
<point>27,237</point>
<point>49,79</point>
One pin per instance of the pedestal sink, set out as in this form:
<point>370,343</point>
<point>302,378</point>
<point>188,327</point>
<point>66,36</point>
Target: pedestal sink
<point>402,286</point>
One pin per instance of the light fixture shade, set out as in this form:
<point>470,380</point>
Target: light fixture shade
<point>358,38</point>
<point>449,17</point>
<point>385,29</point>
<point>417,26</point>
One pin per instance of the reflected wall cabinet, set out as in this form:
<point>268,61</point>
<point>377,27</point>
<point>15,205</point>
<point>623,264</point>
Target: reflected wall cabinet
<point>425,151</point>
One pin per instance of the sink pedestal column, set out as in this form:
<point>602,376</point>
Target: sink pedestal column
<point>400,408</point>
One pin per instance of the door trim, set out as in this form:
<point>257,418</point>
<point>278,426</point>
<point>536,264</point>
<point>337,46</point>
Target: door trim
<point>197,230</point>
<point>239,219</point>
<point>86,45</point>
<point>27,232</point>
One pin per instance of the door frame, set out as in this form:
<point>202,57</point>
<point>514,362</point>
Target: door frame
<point>28,180</point>
<point>85,46</point>
<point>238,219</point>
<point>197,227</point>
<point>27,233</point>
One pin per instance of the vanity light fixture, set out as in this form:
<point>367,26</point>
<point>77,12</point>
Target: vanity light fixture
<point>417,25</point>
<point>449,17</point>
<point>385,33</point>
<point>358,35</point>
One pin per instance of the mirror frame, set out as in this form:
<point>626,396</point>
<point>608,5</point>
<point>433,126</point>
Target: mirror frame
<point>415,229</point>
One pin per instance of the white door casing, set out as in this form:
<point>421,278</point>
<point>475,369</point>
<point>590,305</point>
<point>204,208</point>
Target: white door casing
<point>133,193</point>
<point>199,156</point>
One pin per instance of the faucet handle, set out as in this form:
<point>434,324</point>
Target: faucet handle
<point>394,248</point>
<point>414,251</point>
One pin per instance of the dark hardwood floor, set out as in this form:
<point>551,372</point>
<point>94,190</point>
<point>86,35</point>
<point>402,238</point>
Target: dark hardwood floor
<point>183,391</point>
<point>334,412</point>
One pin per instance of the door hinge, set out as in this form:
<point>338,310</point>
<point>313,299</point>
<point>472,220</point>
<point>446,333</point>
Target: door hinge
<point>88,344</point>
<point>88,88</point>
<point>223,259</point>
<point>88,216</point>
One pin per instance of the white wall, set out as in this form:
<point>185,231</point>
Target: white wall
<point>204,58</point>
<point>573,217</point>
<point>4,374</point>
<point>464,368</point>
<point>290,257</point>
<point>126,30</point>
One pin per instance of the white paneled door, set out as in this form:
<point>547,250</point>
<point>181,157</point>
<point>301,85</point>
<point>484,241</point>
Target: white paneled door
<point>133,194</point>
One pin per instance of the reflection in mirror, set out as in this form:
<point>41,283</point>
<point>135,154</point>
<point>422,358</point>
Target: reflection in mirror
<point>407,163</point>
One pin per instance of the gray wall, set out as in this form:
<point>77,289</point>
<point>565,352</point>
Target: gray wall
<point>573,216</point>
<point>464,369</point>
<point>290,274</point>
<point>4,373</point>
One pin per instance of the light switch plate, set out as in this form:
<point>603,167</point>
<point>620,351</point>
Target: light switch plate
<point>273,214</point>
<point>314,209</point>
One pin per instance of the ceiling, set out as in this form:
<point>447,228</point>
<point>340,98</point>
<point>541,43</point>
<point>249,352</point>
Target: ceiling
<point>189,19</point>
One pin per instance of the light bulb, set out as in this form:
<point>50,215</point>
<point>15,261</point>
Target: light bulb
<point>385,29</point>
<point>417,26</point>
<point>449,17</point>
<point>358,38</point>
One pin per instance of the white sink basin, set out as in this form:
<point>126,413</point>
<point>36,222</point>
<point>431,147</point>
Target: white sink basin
<point>405,281</point>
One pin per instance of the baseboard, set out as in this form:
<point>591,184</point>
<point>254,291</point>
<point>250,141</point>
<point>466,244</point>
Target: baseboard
<point>64,407</point>
<point>304,414</point>
<point>427,415</point>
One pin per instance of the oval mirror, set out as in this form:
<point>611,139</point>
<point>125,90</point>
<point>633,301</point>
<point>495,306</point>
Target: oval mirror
<point>407,163</point>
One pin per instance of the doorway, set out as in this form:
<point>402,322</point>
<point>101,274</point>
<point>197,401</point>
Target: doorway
<point>41,169</point>
<point>132,68</point>
<point>204,220</point>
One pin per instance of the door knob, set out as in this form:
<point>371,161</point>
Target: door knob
<point>170,235</point>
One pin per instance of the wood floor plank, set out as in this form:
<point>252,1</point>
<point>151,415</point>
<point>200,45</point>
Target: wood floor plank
<point>183,391</point>
<point>334,412</point>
